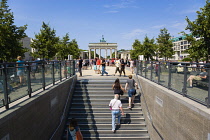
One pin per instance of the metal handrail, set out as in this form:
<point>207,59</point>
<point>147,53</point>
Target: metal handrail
<point>27,67</point>
<point>143,72</point>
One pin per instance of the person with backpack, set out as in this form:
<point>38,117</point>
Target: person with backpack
<point>122,67</point>
<point>73,131</point>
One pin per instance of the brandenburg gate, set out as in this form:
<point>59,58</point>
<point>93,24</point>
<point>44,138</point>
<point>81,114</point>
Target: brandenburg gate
<point>102,45</point>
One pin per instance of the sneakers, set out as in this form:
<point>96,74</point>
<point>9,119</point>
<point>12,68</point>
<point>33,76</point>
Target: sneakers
<point>129,107</point>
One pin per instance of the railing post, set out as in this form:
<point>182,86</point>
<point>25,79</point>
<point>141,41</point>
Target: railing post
<point>184,89</point>
<point>43,75</point>
<point>5,84</point>
<point>65,69</point>
<point>151,70</point>
<point>141,68</point>
<point>208,98</point>
<point>53,73</point>
<point>70,65</point>
<point>28,67</point>
<point>60,70</point>
<point>159,72</point>
<point>145,72</point>
<point>74,63</point>
<point>137,67</point>
<point>169,75</point>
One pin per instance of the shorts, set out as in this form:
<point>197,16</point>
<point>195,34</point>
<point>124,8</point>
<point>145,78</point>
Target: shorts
<point>197,78</point>
<point>95,67</point>
<point>131,92</point>
<point>20,73</point>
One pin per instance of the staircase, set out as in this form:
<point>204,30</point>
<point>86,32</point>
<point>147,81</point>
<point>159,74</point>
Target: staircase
<point>90,107</point>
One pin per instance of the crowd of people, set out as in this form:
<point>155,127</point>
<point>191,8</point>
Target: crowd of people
<point>99,65</point>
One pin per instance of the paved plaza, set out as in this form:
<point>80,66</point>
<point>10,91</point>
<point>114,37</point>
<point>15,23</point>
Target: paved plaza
<point>90,73</point>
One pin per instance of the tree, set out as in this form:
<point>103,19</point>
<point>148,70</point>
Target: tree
<point>137,49</point>
<point>10,35</point>
<point>63,47</point>
<point>74,49</point>
<point>164,44</point>
<point>45,43</point>
<point>196,51</point>
<point>147,48</point>
<point>200,28</point>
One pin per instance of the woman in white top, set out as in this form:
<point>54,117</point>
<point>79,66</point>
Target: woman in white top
<point>132,65</point>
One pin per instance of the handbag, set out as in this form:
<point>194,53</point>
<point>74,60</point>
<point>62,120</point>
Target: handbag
<point>79,135</point>
<point>121,92</point>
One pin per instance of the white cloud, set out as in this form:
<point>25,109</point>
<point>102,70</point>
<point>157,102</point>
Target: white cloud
<point>133,33</point>
<point>123,4</point>
<point>111,12</point>
<point>158,26</point>
<point>179,25</point>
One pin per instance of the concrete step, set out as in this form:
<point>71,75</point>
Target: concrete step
<point>118,132</point>
<point>96,81</point>
<point>102,109</point>
<point>96,85</point>
<point>97,104</point>
<point>108,120</point>
<point>108,126</point>
<point>95,100</point>
<point>116,137</point>
<point>86,115</point>
<point>90,107</point>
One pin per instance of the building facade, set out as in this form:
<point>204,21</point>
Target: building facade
<point>180,45</point>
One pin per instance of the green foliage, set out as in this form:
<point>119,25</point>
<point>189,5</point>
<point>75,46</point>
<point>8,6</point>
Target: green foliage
<point>200,28</point>
<point>196,51</point>
<point>137,49</point>
<point>147,49</point>
<point>10,35</point>
<point>74,49</point>
<point>92,54</point>
<point>45,43</point>
<point>66,48</point>
<point>164,44</point>
<point>187,59</point>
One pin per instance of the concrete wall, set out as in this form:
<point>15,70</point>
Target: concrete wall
<point>174,116</point>
<point>38,117</point>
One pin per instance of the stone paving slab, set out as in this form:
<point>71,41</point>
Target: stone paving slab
<point>90,73</point>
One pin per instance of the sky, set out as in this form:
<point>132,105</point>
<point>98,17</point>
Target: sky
<point>119,21</point>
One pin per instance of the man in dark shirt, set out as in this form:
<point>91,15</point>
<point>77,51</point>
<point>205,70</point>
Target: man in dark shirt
<point>122,67</point>
<point>80,66</point>
<point>103,63</point>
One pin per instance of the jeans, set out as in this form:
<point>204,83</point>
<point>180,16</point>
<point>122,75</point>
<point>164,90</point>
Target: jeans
<point>131,92</point>
<point>103,70</point>
<point>80,70</point>
<point>115,114</point>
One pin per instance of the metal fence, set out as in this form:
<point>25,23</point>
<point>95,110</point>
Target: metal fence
<point>177,76</point>
<point>18,80</point>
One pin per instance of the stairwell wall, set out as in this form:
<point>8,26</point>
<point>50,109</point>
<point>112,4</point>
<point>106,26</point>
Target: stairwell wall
<point>38,116</point>
<point>174,116</point>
